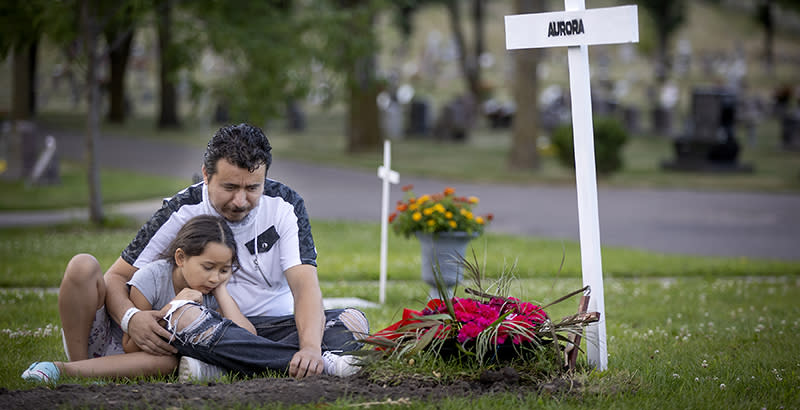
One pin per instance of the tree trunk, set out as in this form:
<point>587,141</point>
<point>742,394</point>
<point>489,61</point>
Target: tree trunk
<point>168,109</point>
<point>363,120</point>
<point>21,112</point>
<point>467,61</point>
<point>91,34</point>
<point>363,131</point>
<point>23,103</point>
<point>765,15</point>
<point>525,126</point>
<point>122,39</point>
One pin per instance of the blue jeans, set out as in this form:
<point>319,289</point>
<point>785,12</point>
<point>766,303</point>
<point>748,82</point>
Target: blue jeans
<point>217,340</point>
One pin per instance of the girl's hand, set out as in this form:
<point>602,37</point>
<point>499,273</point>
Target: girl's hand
<point>189,294</point>
<point>222,288</point>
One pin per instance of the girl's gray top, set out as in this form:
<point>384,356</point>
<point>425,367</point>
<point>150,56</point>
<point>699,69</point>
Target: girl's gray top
<point>154,280</point>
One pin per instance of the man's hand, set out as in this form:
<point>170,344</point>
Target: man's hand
<point>145,331</point>
<point>306,362</point>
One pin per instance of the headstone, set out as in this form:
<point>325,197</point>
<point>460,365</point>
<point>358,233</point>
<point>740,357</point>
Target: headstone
<point>221,114</point>
<point>500,115</point>
<point>45,170</point>
<point>790,129</point>
<point>709,143</point>
<point>419,117</point>
<point>631,119</point>
<point>295,117</point>
<point>456,119</point>
<point>392,119</point>
<point>663,112</point>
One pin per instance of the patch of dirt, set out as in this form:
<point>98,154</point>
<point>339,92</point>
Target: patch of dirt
<point>312,390</point>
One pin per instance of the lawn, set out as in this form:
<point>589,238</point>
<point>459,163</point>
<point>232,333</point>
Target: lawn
<point>693,332</point>
<point>73,192</point>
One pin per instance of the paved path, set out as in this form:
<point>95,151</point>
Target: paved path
<point>673,221</point>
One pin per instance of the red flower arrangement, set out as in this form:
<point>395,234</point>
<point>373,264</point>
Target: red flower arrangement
<point>484,326</point>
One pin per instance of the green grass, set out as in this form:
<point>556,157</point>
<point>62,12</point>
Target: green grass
<point>349,252</point>
<point>666,314</point>
<point>117,186</point>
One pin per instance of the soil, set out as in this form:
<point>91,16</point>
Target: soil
<point>254,392</point>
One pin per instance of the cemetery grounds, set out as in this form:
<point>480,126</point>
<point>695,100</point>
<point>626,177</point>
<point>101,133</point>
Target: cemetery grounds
<point>683,332</point>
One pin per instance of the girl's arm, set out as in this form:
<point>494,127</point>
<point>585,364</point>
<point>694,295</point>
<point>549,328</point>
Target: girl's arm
<point>142,303</point>
<point>230,309</point>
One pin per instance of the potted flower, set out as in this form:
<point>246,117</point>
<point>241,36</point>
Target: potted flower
<point>444,224</point>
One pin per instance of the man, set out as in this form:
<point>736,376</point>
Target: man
<point>276,288</point>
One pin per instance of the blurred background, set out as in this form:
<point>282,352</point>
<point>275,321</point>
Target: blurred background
<point>711,88</point>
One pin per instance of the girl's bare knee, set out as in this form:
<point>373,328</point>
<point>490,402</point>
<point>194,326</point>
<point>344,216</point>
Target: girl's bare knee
<point>82,268</point>
<point>183,317</point>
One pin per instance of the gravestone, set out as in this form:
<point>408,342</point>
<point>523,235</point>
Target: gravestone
<point>631,119</point>
<point>456,119</point>
<point>419,117</point>
<point>500,115</point>
<point>392,119</point>
<point>295,117</point>
<point>709,143</point>
<point>45,170</point>
<point>790,129</point>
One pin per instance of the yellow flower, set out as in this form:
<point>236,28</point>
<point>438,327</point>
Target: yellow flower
<point>416,216</point>
<point>473,200</point>
<point>431,222</point>
<point>439,208</point>
<point>448,215</point>
<point>479,220</point>
<point>413,207</point>
<point>427,211</point>
<point>424,198</point>
<point>452,223</point>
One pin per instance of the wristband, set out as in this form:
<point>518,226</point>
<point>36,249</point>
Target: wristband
<point>127,318</point>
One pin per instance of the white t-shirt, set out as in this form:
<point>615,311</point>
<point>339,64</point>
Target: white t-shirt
<point>278,226</point>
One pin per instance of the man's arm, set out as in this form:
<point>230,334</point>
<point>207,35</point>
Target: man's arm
<point>310,319</point>
<point>143,327</point>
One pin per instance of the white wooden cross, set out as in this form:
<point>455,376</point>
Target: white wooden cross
<point>388,176</point>
<point>577,28</point>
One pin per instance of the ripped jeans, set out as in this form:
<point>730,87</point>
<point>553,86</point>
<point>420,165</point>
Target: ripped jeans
<point>218,341</point>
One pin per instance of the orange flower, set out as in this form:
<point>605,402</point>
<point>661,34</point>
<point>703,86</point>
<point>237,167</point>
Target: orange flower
<point>421,213</point>
<point>408,187</point>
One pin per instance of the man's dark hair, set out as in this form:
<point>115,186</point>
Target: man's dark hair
<point>242,145</point>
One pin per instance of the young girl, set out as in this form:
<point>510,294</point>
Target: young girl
<point>196,267</point>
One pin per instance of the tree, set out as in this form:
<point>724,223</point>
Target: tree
<point>90,32</point>
<point>667,17</point>
<point>19,37</point>
<point>525,127</point>
<point>168,95</point>
<point>468,59</point>
<point>119,30</point>
<point>363,119</point>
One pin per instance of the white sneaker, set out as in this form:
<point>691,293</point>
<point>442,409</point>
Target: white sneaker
<point>340,365</point>
<point>190,369</point>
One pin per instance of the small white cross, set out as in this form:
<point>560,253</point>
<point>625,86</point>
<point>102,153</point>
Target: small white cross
<point>577,28</point>
<point>388,176</point>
